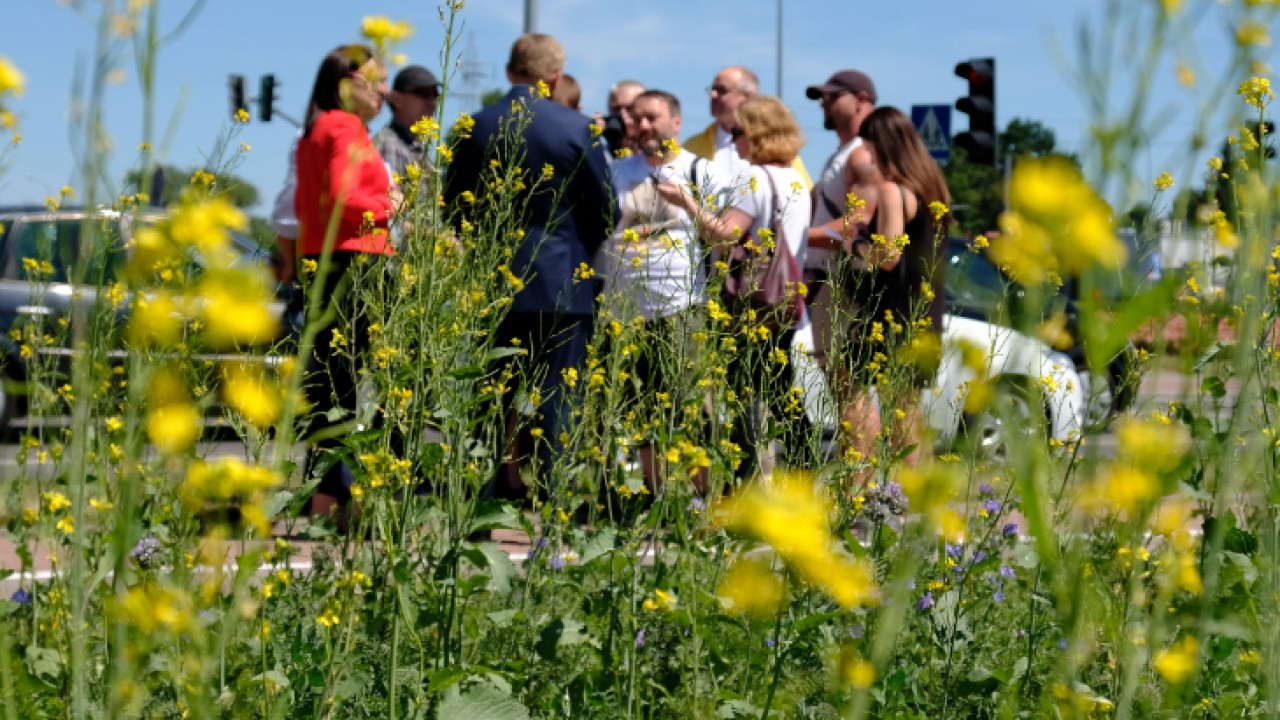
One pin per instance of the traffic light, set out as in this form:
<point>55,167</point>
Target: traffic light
<point>980,105</point>
<point>266,97</point>
<point>235,89</point>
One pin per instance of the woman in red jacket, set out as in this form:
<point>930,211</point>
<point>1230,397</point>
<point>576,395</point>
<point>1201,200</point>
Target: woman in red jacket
<point>343,207</point>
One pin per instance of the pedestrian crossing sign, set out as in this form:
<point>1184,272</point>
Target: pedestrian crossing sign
<point>934,125</point>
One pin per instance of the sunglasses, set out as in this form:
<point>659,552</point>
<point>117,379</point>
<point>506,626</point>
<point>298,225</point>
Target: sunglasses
<point>736,133</point>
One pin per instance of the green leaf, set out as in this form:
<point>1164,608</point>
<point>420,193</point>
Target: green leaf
<point>1105,340</point>
<point>730,709</point>
<point>1215,350</point>
<point>440,680</point>
<point>599,544</point>
<point>467,373</point>
<point>1214,386</point>
<point>562,633</point>
<point>350,685</point>
<point>501,569</point>
<point>278,503</point>
<point>499,353</point>
<point>480,702</point>
<point>44,663</point>
<point>494,515</point>
<point>1025,556</point>
<point>809,622</point>
<point>7,608</point>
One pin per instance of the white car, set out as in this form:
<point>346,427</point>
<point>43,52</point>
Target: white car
<point>1016,364</point>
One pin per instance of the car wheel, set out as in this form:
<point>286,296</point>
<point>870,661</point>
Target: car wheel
<point>1008,419</point>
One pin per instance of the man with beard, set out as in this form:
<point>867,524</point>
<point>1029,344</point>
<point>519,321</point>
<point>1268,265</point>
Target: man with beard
<point>652,264</point>
<point>847,98</point>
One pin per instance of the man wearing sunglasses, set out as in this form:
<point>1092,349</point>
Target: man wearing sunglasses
<point>730,88</point>
<point>847,97</point>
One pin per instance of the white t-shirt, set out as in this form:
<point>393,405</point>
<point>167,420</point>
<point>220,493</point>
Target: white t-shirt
<point>755,198</point>
<point>727,157</point>
<point>660,275</point>
<point>759,202</point>
<point>831,186</point>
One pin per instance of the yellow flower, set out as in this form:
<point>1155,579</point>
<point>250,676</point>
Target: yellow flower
<point>1119,489</point>
<point>100,505</point>
<point>1178,663</point>
<point>382,32</point>
<point>939,210</point>
<point>548,171</point>
<point>426,128</point>
<point>152,607</point>
<point>1185,76</point>
<point>859,673</point>
<point>12,81</point>
<point>249,393</point>
<point>1164,182</point>
<point>242,116</point>
<point>1257,92</point>
<point>463,126</point>
<point>174,427</point>
<point>234,305</point>
<point>55,502</point>
<point>67,525</point>
<point>544,90</point>
<point>752,589</point>
<point>661,600</point>
<point>1253,33</point>
<point>791,517</point>
<point>155,320</point>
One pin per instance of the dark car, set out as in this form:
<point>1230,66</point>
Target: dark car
<point>40,250</point>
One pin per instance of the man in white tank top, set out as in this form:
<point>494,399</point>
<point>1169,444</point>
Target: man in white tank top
<point>846,98</point>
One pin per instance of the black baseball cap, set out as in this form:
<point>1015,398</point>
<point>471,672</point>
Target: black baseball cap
<point>417,80</point>
<point>845,80</point>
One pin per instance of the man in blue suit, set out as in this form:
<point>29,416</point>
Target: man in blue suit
<point>566,220</point>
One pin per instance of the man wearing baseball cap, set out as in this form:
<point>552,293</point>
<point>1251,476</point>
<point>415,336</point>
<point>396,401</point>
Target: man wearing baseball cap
<point>413,96</point>
<point>847,97</point>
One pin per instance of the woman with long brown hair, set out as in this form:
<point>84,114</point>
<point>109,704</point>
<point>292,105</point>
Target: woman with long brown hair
<point>898,289</point>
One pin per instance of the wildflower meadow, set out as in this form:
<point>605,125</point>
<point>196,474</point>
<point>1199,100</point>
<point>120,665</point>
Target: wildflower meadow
<point>1049,578</point>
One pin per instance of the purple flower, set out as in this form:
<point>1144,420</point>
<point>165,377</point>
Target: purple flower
<point>926,601</point>
<point>1006,571</point>
<point>148,552</point>
<point>979,556</point>
<point>954,551</point>
<point>1021,633</point>
<point>992,506</point>
<point>911,584</point>
<point>999,596</point>
<point>640,638</point>
<point>769,643</point>
<point>857,631</point>
<point>557,562</point>
<point>697,504</point>
<point>1010,529</point>
<point>1062,644</point>
<point>985,489</point>
<point>22,597</point>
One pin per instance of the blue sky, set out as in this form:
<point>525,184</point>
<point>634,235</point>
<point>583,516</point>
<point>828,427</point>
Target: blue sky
<point>909,47</point>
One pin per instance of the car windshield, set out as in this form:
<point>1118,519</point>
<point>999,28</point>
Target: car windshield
<point>974,287</point>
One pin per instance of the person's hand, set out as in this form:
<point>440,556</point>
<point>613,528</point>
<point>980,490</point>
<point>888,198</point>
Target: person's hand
<point>675,193</point>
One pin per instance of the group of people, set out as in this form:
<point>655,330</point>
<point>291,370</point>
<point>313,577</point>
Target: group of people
<point>650,214</point>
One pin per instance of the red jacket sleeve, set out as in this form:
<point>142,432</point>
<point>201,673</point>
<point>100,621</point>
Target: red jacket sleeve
<point>357,177</point>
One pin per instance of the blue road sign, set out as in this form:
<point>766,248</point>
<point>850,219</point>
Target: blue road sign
<point>934,124</point>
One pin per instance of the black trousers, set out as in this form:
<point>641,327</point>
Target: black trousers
<point>333,370</point>
<point>556,343</point>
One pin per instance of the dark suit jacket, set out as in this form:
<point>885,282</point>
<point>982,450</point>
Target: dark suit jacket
<point>567,219</point>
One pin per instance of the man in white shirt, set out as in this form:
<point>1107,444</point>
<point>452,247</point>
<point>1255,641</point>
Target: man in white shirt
<point>652,266</point>
<point>847,98</point>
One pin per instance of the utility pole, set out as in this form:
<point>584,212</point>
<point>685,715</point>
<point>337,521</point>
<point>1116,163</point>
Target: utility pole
<point>530,15</point>
<point>779,95</point>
